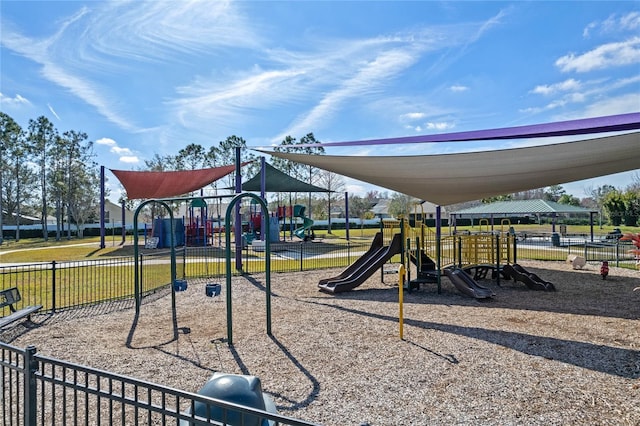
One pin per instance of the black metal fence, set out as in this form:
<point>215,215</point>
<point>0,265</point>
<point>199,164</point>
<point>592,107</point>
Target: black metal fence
<point>63,285</point>
<point>617,253</point>
<point>39,390</point>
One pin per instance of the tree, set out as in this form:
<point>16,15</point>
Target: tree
<point>10,133</point>
<point>531,194</point>
<point>570,200</point>
<point>302,172</point>
<point>191,157</point>
<point>41,137</point>
<point>82,179</point>
<point>632,208</point>
<point>226,155</point>
<point>401,204</point>
<point>83,202</point>
<point>614,206</point>
<point>359,207</point>
<point>497,198</point>
<point>334,184</point>
<point>598,195</point>
<point>554,192</point>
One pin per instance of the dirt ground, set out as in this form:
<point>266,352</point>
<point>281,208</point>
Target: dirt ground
<point>522,357</point>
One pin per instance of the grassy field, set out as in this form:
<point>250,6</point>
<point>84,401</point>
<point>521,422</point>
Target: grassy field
<point>37,250</point>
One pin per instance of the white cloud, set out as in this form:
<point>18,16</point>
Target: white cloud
<point>55,114</point>
<point>458,88</point>
<point>604,56</point>
<point>599,90</point>
<point>439,126</point>
<point>564,86</point>
<point>16,100</point>
<point>129,159</point>
<point>614,105</point>
<point>88,41</point>
<point>628,22</point>
<point>125,154</point>
<point>106,141</point>
<point>410,116</point>
<point>367,79</point>
<point>120,151</point>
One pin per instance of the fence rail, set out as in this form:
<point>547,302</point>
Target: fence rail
<point>39,390</point>
<point>64,285</point>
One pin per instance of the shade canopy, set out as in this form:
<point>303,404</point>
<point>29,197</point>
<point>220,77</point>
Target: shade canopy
<point>582,126</point>
<point>152,184</point>
<point>453,178</point>
<point>522,207</point>
<point>278,181</point>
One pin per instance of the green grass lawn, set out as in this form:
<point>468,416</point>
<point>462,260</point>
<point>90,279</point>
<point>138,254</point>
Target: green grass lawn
<point>37,250</point>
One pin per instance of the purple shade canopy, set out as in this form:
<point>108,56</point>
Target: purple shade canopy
<point>612,123</point>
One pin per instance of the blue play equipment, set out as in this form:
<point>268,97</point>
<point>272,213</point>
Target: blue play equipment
<point>162,229</point>
<point>240,390</point>
<point>301,232</point>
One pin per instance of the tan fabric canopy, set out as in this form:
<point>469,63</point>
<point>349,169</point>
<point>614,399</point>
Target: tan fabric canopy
<point>453,178</point>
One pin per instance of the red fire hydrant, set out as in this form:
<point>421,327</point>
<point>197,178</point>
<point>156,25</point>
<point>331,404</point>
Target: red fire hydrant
<point>604,269</point>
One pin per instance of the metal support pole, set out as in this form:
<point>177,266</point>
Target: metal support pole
<point>102,195</point>
<point>30,386</point>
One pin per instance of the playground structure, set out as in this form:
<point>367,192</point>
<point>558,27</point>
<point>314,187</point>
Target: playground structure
<point>358,272</point>
<point>181,285</point>
<point>463,259</point>
<point>531,280</point>
<point>201,229</point>
<point>285,218</point>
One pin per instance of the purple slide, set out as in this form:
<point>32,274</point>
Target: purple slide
<point>362,268</point>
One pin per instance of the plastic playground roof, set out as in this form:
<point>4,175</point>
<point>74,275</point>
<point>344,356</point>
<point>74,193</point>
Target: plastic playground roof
<point>446,179</point>
<point>521,207</point>
<point>277,181</point>
<point>152,184</point>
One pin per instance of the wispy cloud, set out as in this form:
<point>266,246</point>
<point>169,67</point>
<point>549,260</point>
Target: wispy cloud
<point>570,92</point>
<point>92,43</point>
<point>16,100</point>
<point>366,80</point>
<point>55,114</point>
<point>604,56</point>
<point>563,86</point>
<point>613,24</point>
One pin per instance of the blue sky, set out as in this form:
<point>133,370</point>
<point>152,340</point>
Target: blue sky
<point>142,78</point>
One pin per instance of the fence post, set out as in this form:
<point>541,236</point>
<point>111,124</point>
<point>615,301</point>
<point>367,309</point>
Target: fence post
<point>53,286</point>
<point>140,284</point>
<point>184,260</point>
<point>30,387</point>
<point>617,253</point>
<point>498,259</point>
<point>301,265</point>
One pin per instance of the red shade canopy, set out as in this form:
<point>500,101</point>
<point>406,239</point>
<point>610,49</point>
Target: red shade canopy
<point>148,184</point>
